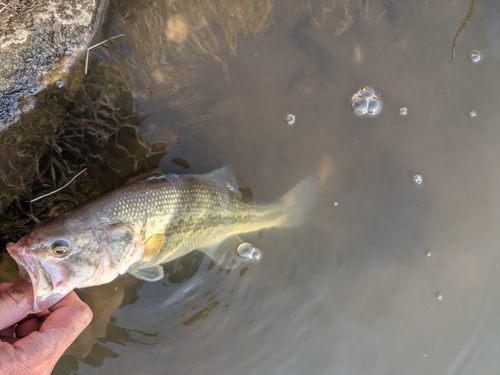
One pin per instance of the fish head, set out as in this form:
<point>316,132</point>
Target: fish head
<point>59,258</point>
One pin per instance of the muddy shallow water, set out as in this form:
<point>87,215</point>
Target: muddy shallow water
<point>388,276</point>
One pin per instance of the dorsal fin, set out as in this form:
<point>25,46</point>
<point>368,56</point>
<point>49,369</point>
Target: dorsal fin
<point>224,175</point>
<point>144,176</point>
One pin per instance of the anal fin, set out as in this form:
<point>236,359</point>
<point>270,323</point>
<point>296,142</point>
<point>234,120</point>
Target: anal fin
<point>224,253</point>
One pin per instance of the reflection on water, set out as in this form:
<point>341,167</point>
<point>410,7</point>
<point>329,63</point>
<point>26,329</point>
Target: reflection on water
<point>408,214</point>
<point>91,346</point>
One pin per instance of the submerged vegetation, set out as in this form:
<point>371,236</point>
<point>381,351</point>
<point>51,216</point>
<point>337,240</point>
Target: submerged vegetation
<point>341,11</point>
<point>94,128</point>
<point>182,34</point>
<point>91,121</point>
<point>466,20</point>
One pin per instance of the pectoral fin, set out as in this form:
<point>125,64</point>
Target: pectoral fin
<point>154,273</point>
<point>153,246</point>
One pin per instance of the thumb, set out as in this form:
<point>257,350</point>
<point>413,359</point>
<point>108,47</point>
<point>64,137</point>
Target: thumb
<point>15,303</point>
<point>64,322</point>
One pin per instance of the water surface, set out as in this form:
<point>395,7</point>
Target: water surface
<point>355,290</point>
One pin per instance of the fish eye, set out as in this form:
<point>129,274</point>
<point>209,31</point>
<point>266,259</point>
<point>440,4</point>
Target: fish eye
<point>60,247</point>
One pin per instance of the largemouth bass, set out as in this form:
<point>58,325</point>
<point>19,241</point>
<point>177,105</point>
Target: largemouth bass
<point>141,225</point>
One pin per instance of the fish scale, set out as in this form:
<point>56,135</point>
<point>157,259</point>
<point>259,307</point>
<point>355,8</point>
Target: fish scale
<point>207,213</point>
<point>191,211</point>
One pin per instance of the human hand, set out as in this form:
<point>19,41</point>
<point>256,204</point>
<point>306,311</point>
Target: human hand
<point>32,344</point>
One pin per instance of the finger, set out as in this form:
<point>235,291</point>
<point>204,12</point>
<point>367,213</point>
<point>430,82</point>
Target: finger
<point>5,286</point>
<point>9,339</point>
<point>71,311</point>
<point>25,328</point>
<point>15,303</point>
<point>67,320</point>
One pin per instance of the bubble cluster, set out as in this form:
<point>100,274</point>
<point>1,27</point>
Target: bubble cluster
<point>418,179</point>
<point>439,296</point>
<point>365,102</point>
<point>403,111</point>
<point>472,113</point>
<point>248,251</point>
<point>27,103</point>
<point>60,84</point>
<point>290,119</point>
<point>475,56</point>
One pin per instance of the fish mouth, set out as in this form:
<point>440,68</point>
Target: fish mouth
<point>45,294</point>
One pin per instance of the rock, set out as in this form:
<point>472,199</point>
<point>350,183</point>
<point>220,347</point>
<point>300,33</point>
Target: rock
<point>39,41</point>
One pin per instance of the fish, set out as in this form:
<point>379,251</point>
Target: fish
<point>144,224</point>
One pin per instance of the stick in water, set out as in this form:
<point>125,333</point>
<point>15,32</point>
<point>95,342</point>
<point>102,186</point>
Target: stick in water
<point>97,45</point>
<point>55,191</point>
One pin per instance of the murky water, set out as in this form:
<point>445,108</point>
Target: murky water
<point>393,274</point>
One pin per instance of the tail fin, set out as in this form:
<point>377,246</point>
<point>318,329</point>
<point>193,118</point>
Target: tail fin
<point>300,201</point>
